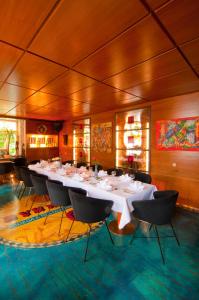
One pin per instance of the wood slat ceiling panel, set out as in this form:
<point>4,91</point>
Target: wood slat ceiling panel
<point>191,50</point>
<point>179,83</point>
<point>34,72</point>
<point>156,3</point>
<point>21,19</point>
<point>138,44</point>
<point>6,105</point>
<point>14,93</point>
<point>162,65</point>
<point>77,28</point>
<point>180,17</point>
<point>40,99</point>
<point>61,104</point>
<point>8,58</point>
<point>25,108</point>
<point>68,84</point>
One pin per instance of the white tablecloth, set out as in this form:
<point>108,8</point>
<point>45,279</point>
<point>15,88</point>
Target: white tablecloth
<point>122,198</point>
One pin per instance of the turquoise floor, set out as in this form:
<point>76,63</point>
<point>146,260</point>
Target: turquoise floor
<point>112,272</point>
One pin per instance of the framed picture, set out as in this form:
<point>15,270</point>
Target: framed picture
<point>178,134</point>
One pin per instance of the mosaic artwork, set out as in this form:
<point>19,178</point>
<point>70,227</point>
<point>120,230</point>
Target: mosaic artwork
<point>101,138</point>
<point>178,134</point>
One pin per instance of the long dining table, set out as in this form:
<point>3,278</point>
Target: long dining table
<point>120,192</point>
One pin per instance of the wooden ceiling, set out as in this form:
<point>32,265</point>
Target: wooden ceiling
<point>62,59</point>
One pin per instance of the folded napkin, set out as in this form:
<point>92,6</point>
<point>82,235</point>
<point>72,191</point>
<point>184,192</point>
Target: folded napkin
<point>102,173</point>
<point>43,163</point>
<point>61,172</point>
<point>77,177</point>
<point>66,166</point>
<point>104,185</point>
<point>56,164</point>
<point>136,186</point>
<point>125,178</point>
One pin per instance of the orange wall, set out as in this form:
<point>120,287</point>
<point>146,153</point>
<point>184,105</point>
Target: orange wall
<point>185,176</point>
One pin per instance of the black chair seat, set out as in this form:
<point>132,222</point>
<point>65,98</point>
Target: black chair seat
<point>158,211</point>
<point>89,210</point>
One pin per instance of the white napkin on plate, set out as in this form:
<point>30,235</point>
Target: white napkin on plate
<point>61,172</point>
<point>125,178</point>
<point>136,186</point>
<point>104,185</point>
<point>66,166</point>
<point>77,177</point>
<point>102,173</point>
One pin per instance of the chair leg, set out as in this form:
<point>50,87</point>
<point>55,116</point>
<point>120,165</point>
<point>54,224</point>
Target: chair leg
<point>69,231</point>
<point>109,233</point>
<point>138,225</point>
<point>88,237</point>
<point>156,230</point>
<point>151,225</point>
<point>20,189</point>
<point>61,222</point>
<point>23,192</point>
<point>177,240</point>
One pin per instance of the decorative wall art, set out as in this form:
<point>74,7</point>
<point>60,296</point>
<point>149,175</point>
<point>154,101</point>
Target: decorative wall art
<point>101,137</point>
<point>178,134</point>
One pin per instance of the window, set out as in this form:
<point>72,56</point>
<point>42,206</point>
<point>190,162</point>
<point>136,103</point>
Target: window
<point>81,141</point>
<point>132,139</point>
<point>8,129</point>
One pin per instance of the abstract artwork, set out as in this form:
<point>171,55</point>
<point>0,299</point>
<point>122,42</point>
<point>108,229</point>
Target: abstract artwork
<point>101,137</point>
<point>178,134</point>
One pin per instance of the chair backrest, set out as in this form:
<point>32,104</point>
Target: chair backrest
<point>99,167</point>
<point>6,167</point>
<point>34,162</point>
<point>158,211</point>
<point>119,172</point>
<point>25,176</point>
<point>89,210</point>
<point>18,173</point>
<point>20,161</point>
<point>58,193</point>
<point>143,177</point>
<point>81,164</point>
<point>39,184</point>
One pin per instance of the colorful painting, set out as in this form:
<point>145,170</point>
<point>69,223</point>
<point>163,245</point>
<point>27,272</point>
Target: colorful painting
<point>178,134</point>
<point>101,137</point>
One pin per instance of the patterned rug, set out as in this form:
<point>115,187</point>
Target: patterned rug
<point>23,227</point>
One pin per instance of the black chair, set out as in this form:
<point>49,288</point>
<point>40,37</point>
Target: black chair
<point>81,164</point>
<point>34,162</point>
<point>158,211</point>
<point>6,167</point>
<point>27,182</point>
<point>118,172</point>
<point>19,178</point>
<point>39,184</point>
<point>143,177</point>
<point>20,161</point>
<point>68,162</point>
<point>59,196</point>
<point>99,167</point>
<point>89,210</point>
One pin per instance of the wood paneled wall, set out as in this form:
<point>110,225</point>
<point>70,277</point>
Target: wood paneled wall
<point>40,153</point>
<point>183,177</point>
